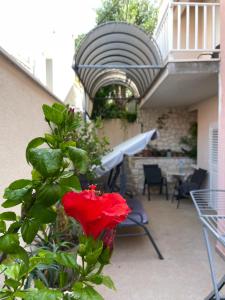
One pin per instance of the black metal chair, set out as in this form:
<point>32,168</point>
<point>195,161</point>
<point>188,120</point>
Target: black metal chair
<point>193,182</point>
<point>152,177</point>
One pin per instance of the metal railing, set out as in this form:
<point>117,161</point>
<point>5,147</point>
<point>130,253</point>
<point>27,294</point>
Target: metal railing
<point>188,26</point>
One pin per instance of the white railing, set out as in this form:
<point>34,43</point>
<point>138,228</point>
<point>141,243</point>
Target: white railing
<point>188,27</point>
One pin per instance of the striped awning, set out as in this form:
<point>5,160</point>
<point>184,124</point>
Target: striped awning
<point>117,53</point>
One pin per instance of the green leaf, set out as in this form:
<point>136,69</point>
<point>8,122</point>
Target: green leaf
<point>107,281</point>
<point>8,216</point>
<point>65,145</point>
<point>36,176</point>
<point>96,278</point>
<point>40,294</point>
<point>36,261</point>
<point>34,144</point>
<point>49,194</point>
<point>50,139</point>
<point>70,183</point>
<point>93,256</point>
<point>21,257</point>
<point>39,284</point>
<point>85,292</point>
<point>17,192</point>
<point>63,279</point>
<point>29,230</point>
<point>2,226</point>
<point>52,114</point>
<point>14,227</point>
<point>19,184</point>
<point>58,106</point>
<point>12,283</point>
<point>11,271</point>
<point>79,158</point>
<point>46,161</point>
<point>104,258</point>
<point>43,214</point>
<point>66,259</point>
<point>66,174</point>
<point>9,243</point>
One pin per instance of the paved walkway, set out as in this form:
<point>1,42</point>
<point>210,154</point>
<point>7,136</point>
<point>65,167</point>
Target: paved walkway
<point>183,275</point>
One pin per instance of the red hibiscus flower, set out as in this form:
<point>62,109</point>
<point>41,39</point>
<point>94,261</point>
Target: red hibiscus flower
<point>95,213</point>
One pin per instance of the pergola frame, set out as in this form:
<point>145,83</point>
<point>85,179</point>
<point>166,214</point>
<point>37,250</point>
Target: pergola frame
<point>117,52</point>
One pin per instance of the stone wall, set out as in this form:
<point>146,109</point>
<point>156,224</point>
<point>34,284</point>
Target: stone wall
<point>172,124</point>
<point>167,165</point>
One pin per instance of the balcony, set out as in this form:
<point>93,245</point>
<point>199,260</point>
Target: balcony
<point>188,37</point>
<point>188,30</point>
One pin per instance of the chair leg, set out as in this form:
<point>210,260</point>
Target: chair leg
<point>178,202</point>
<point>153,242</point>
<point>161,187</point>
<point>143,193</point>
<point>173,195</point>
<point>149,194</point>
<point>149,236</point>
<point>167,196</point>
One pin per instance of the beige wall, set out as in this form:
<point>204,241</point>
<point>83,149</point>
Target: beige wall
<point>21,119</point>
<point>207,116</point>
<point>118,131</point>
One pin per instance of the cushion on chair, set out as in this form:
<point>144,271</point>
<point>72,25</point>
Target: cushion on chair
<point>138,213</point>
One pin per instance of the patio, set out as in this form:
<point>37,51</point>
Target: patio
<point>184,274</point>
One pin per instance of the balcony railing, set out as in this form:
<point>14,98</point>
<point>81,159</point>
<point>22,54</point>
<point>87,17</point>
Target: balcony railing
<point>188,27</point>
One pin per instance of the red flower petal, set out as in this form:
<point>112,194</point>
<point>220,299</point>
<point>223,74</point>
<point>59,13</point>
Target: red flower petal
<point>96,213</point>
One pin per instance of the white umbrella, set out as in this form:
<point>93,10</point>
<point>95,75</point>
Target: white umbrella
<point>129,147</point>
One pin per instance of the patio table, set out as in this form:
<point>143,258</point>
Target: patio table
<point>178,176</point>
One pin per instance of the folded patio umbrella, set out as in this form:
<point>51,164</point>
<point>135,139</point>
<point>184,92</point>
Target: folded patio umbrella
<point>129,147</point>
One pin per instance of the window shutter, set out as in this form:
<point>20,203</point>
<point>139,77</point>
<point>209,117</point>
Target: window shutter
<point>213,156</point>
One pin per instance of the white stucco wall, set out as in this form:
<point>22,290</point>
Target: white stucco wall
<point>207,115</point>
<point>21,119</point>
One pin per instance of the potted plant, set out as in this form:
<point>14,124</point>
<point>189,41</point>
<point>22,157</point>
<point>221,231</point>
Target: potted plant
<point>54,271</point>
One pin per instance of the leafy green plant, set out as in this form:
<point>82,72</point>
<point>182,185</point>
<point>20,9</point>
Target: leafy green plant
<point>112,110</point>
<point>189,142</point>
<point>34,277</point>
<point>86,137</point>
<point>139,12</point>
<point>40,273</point>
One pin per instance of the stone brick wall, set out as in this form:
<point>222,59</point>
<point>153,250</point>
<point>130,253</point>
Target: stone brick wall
<point>167,165</point>
<point>172,124</point>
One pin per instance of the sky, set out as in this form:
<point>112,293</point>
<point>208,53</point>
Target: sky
<point>27,24</point>
<point>33,29</point>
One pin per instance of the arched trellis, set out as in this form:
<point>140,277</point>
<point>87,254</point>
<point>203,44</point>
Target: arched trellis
<point>117,53</point>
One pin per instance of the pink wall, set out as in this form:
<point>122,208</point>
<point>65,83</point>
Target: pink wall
<point>221,123</point>
<point>222,101</point>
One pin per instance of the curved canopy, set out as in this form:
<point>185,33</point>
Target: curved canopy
<point>117,53</point>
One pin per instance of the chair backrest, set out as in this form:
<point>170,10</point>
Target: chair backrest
<point>198,177</point>
<point>153,174</point>
<point>114,175</point>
